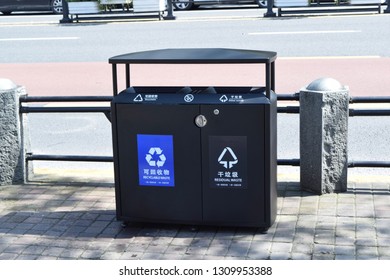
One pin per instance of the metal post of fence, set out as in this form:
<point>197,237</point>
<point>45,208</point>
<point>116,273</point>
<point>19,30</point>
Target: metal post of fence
<point>324,110</point>
<point>12,145</point>
<point>170,15</point>
<point>270,12</point>
<point>388,7</point>
<point>65,12</point>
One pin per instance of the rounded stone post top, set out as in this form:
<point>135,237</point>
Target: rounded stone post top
<point>6,84</point>
<point>326,84</point>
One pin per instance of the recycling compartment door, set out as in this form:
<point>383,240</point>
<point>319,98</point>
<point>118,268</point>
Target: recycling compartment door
<point>159,163</point>
<point>233,164</point>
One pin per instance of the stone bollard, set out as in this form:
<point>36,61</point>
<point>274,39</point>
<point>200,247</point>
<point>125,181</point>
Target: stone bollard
<point>324,111</point>
<point>12,156</point>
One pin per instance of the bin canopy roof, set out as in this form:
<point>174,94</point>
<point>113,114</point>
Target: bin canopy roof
<point>195,56</point>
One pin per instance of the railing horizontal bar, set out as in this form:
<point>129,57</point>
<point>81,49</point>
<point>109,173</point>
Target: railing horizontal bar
<point>369,112</point>
<point>292,162</point>
<point>378,164</point>
<point>65,109</point>
<point>65,99</point>
<point>288,110</point>
<point>288,97</point>
<point>31,157</point>
<point>351,164</point>
<point>370,99</point>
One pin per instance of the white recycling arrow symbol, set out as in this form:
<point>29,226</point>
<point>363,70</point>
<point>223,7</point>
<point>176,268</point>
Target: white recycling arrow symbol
<point>138,98</point>
<point>158,160</point>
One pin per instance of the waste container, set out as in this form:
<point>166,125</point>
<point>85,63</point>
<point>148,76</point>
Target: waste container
<point>195,155</point>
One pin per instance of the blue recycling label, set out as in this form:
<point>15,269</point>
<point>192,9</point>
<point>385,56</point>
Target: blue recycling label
<point>155,160</point>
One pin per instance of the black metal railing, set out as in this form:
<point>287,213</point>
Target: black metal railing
<point>31,157</point>
<point>66,109</point>
<point>107,111</point>
<point>352,113</point>
<point>369,100</point>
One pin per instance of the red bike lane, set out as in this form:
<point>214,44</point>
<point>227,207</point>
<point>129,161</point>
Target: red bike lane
<point>365,76</point>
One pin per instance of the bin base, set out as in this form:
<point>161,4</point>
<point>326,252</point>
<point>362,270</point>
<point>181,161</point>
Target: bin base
<point>194,225</point>
<point>192,228</point>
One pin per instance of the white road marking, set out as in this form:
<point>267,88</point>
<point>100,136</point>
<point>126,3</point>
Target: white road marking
<point>38,39</point>
<point>305,32</point>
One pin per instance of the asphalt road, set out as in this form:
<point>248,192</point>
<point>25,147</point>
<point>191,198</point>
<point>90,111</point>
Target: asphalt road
<point>46,41</point>
<point>72,59</point>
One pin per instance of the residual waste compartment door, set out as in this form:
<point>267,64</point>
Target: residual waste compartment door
<point>233,164</point>
<point>159,163</point>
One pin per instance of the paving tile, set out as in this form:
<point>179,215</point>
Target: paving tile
<point>113,247</point>
<point>300,256</point>
<point>366,241</point>
<point>302,248</point>
<point>280,256</point>
<point>287,235</point>
<point>323,256</point>
<point>71,253</point>
<point>217,250</point>
<point>28,257</point>
<point>239,249</point>
<point>192,257</point>
<point>158,248</point>
<point>345,250</point>
<point>137,247</point>
<point>8,256</point>
<point>362,251</point>
<point>186,241</point>
<point>212,257</point>
<point>176,249</point>
<point>198,251</point>
<point>324,249</point>
<point>367,257</point>
<point>221,242</point>
<point>52,251</point>
<point>3,247</point>
<point>345,240</point>
<point>201,242</point>
<point>324,236</point>
<point>281,247</point>
<point>14,248</point>
<point>111,255</point>
<point>345,257</point>
<point>131,256</point>
<point>384,242</point>
<point>34,250</point>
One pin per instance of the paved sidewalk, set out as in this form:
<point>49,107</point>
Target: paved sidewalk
<point>73,221</point>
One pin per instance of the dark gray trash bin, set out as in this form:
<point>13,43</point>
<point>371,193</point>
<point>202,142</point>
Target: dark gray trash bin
<point>196,155</point>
